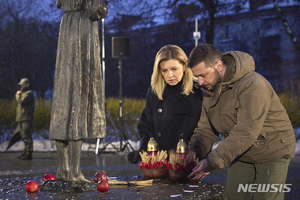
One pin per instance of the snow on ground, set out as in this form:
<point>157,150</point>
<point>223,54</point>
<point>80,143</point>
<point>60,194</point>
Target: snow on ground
<point>42,145</point>
<point>49,145</point>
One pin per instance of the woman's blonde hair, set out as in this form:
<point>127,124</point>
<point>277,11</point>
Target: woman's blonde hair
<point>158,83</point>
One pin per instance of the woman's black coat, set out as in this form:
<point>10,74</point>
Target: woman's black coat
<point>168,120</point>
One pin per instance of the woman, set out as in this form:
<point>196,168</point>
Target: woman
<point>78,100</point>
<point>173,103</point>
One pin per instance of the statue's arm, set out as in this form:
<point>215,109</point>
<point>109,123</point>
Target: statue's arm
<point>97,9</point>
<point>58,4</point>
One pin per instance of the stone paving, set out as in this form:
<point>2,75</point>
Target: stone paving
<point>14,173</point>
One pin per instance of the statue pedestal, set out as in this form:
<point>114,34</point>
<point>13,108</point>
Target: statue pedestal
<point>65,186</point>
<point>160,189</point>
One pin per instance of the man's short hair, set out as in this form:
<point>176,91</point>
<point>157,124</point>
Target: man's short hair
<point>208,53</point>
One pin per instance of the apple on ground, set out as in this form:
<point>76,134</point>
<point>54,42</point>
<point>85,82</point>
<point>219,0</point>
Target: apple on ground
<point>102,186</point>
<point>100,176</point>
<point>48,177</point>
<point>31,186</point>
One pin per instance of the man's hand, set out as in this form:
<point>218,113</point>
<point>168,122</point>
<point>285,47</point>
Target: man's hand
<point>200,171</point>
<point>19,91</point>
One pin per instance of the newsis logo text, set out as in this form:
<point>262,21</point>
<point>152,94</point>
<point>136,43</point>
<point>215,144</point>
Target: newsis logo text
<point>264,187</point>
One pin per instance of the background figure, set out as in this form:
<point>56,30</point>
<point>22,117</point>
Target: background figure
<point>173,104</point>
<point>78,110</point>
<point>24,117</point>
<point>241,105</point>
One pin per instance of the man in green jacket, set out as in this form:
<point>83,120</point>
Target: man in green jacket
<point>24,116</point>
<point>241,105</point>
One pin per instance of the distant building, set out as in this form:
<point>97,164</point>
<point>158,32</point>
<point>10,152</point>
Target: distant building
<point>254,28</point>
<point>260,32</point>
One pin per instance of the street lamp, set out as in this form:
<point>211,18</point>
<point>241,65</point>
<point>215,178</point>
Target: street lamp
<point>196,34</point>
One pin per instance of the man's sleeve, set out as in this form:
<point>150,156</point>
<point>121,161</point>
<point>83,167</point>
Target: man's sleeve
<point>203,138</point>
<point>18,96</point>
<point>25,98</point>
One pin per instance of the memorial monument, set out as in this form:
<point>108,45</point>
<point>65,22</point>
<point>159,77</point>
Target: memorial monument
<point>78,110</point>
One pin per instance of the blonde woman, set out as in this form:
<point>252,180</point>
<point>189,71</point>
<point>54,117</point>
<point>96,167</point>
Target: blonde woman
<point>173,104</point>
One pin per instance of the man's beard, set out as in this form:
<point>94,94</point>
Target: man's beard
<point>24,88</point>
<point>217,79</point>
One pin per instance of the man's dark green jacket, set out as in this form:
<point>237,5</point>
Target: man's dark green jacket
<point>25,108</point>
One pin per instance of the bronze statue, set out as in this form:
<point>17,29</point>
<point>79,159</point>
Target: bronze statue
<point>78,110</point>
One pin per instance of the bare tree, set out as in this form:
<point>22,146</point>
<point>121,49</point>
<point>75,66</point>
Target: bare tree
<point>28,45</point>
<point>287,27</point>
<point>211,7</point>
<point>12,11</point>
<point>151,11</point>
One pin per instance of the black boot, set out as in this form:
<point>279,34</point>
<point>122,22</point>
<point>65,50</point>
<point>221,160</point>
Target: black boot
<point>28,149</point>
<point>21,155</point>
<point>25,157</point>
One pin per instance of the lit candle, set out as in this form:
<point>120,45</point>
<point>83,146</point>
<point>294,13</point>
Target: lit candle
<point>152,147</point>
<point>182,148</point>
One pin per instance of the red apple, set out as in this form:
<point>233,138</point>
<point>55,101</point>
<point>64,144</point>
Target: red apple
<point>48,177</point>
<point>102,186</point>
<point>31,186</point>
<point>100,176</point>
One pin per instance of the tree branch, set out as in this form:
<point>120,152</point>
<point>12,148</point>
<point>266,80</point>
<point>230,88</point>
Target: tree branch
<point>287,27</point>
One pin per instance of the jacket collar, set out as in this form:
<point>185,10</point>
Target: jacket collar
<point>168,89</point>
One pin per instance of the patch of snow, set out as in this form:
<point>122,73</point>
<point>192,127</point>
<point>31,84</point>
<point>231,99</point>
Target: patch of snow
<point>49,145</point>
<point>42,145</point>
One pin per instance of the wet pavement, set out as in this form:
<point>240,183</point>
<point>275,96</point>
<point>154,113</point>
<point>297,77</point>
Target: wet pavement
<point>14,173</point>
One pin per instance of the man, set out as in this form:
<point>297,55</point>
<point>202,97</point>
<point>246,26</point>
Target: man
<point>24,116</point>
<point>241,105</point>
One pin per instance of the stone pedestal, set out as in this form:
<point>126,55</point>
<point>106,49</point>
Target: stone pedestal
<point>64,186</point>
<point>160,189</point>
